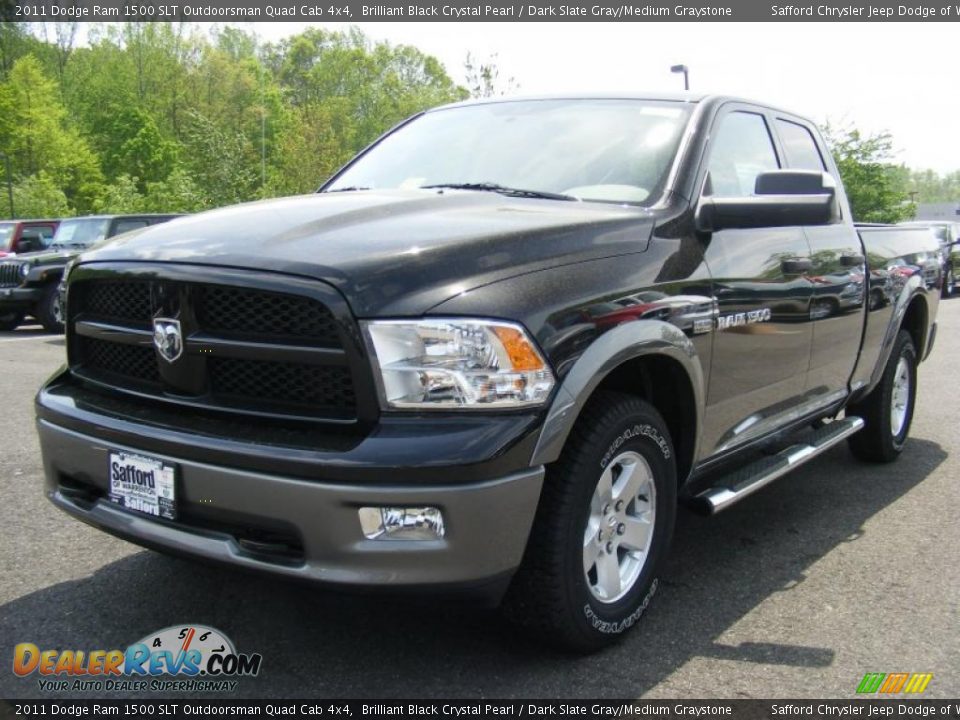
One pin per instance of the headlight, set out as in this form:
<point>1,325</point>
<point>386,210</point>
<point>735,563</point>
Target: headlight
<point>24,270</point>
<point>457,363</point>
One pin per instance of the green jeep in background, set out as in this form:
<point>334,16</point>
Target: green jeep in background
<point>29,282</point>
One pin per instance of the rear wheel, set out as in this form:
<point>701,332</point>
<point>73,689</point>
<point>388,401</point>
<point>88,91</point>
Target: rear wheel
<point>10,320</point>
<point>602,528</point>
<point>50,310</point>
<point>888,410</point>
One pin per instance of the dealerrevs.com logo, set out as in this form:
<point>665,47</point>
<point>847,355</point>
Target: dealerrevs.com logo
<point>190,658</point>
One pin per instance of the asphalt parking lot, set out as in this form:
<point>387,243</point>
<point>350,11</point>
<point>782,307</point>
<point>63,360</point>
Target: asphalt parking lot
<point>834,571</point>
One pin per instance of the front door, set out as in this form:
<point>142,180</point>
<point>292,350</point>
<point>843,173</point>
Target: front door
<point>762,340</point>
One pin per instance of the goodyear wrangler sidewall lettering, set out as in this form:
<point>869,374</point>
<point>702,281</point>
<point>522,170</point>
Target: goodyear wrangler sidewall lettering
<point>637,430</point>
<point>615,628</point>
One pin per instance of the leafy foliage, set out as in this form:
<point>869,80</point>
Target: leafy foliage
<point>483,78</point>
<point>926,186</point>
<point>876,187</point>
<point>168,117</point>
<point>38,196</point>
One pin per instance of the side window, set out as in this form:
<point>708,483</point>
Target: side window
<point>741,150</point>
<point>128,225</point>
<point>799,146</point>
<point>46,234</point>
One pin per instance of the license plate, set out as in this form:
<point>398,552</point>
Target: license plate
<point>142,484</point>
<point>6,292</point>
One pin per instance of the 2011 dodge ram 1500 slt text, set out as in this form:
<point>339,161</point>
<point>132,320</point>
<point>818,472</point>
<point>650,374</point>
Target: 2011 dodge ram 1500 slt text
<point>493,353</point>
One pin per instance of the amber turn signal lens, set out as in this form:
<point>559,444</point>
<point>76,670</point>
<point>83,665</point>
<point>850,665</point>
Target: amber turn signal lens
<point>522,354</point>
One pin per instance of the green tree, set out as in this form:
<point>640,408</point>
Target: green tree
<point>171,116</point>
<point>135,146</point>
<point>34,131</point>
<point>483,78</point>
<point>38,196</point>
<point>928,186</point>
<point>178,193</point>
<point>221,161</point>
<point>122,197</point>
<point>877,188</point>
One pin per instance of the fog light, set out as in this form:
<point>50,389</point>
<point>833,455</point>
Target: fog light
<point>401,523</point>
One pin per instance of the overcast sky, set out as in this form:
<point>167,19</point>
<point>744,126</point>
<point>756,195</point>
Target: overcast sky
<point>901,77</point>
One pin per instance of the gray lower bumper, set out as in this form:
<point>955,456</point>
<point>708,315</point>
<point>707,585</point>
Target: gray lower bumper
<point>19,298</point>
<point>487,523</point>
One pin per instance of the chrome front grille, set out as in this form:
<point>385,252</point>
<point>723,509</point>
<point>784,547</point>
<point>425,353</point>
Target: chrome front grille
<point>10,274</point>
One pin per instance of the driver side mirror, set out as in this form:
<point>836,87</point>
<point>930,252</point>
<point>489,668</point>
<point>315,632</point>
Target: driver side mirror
<point>782,198</point>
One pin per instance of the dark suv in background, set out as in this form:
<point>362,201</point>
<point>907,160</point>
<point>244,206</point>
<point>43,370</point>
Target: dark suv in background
<point>29,282</point>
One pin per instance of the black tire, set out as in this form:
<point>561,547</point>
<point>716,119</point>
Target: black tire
<point>49,310</point>
<point>878,442</point>
<point>10,320</point>
<point>550,594</point>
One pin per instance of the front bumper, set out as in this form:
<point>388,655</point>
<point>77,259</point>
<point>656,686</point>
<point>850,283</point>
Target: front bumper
<point>305,528</point>
<point>19,298</point>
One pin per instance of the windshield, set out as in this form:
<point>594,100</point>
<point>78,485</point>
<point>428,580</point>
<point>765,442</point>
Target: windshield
<point>6,233</point>
<point>80,233</point>
<point>602,150</point>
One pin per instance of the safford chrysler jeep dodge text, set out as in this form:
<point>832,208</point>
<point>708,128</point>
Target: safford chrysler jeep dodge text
<point>493,353</point>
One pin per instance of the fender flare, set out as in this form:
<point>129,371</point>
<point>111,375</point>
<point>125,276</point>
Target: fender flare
<point>623,343</point>
<point>914,289</point>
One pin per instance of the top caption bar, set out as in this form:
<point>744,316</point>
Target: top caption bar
<point>469,11</point>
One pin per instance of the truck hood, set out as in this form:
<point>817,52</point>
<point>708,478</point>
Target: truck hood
<point>396,252</point>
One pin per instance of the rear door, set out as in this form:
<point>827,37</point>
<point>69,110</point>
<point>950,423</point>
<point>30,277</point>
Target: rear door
<point>762,341</point>
<point>838,276</point>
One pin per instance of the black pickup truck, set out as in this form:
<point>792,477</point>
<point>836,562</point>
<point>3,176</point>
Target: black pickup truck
<point>492,354</point>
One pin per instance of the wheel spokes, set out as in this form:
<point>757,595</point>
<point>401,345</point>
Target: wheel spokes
<point>608,574</point>
<point>636,535</point>
<point>604,492</point>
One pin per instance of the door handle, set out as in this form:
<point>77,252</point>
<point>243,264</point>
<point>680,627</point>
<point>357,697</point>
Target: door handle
<point>851,260</point>
<point>795,266</point>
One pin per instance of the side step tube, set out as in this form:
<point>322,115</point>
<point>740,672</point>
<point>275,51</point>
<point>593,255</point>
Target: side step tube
<point>748,480</point>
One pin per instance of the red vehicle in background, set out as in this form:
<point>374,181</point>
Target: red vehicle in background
<point>26,235</point>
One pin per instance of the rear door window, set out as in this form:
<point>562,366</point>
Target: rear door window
<point>741,150</point>
<point>799,146</point>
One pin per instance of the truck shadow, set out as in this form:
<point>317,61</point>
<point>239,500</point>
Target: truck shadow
<point>319,644</point>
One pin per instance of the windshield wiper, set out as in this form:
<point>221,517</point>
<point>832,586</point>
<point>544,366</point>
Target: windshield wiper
<point>347,189</point>
<point>502,189</point>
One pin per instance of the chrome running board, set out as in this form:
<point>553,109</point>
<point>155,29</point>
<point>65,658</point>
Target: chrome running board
<point>733,488</point>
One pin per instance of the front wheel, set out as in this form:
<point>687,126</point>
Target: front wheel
<point>887,411</point>
<point>50,310</point>
<point>602,528</point>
